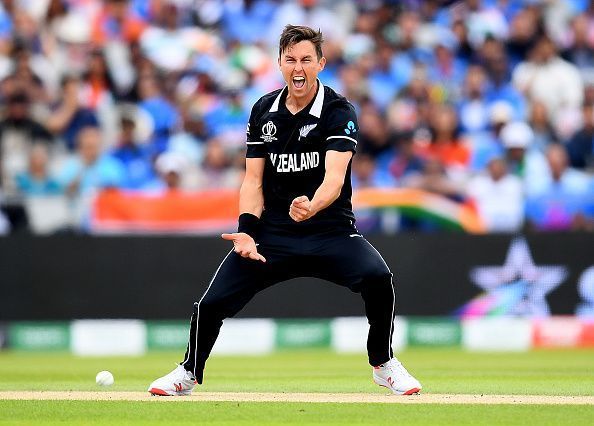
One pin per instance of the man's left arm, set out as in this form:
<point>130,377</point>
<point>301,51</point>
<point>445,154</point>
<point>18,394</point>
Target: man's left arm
<point>302,208</point>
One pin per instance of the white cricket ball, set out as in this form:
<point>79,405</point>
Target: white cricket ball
<point>104,378</point>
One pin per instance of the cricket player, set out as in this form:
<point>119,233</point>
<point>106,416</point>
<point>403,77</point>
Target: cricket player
<point>296,218</point>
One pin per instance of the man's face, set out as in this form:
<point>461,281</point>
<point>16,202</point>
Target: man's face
<point>300,68</point>
<point>89,145</point>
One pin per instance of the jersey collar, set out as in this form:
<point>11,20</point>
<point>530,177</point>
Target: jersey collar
<point>316,108</point>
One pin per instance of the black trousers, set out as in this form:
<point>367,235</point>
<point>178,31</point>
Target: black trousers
<point>340,255</point>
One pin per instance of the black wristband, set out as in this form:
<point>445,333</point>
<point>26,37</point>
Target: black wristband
<point>249,224</point>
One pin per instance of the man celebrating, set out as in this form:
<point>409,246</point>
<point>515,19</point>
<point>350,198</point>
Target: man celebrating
<point>296,217</point>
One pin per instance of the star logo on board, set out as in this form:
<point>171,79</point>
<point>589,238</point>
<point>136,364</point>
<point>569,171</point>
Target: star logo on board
<point>518,287</point>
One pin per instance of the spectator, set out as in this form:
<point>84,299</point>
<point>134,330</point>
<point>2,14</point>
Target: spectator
<point>445,71</point>
<point>190,140</point>
<point>581,145</point>
<point>464,50</point>
<point>167,44</point>
<point>559,202</point>
<point>524,31</point>
<point>473,108</point>
<point>445,144</point>
<point>134,156</point>
<point>367,175</point>
<point>523,159</point>
<point>484,20</point>
<point>373,132</point>
<point>404,162</point>
<point>544,133</point>
<point>382,87</point>
<point>216,170</point>
<point>18,132</point>
<point>579,47</point>
<point>171,167</point>
<point>116,21</point>
<point>545,77</point>
<point>243,20</point>
<point>312,13</point>
<point>164,115</point>
<point>69,116</point>
<point>486,145</point>
<point>499,197</point>
<point>228,119</point>
<point>90,169</point>
<point>27,73</point>
<point>98,85</point>
<point>37,179</point>
<point>434,178</point>
<point>499,87</point>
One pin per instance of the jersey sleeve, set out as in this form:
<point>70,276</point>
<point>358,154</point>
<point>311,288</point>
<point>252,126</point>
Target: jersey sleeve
<point>255,146</point>
<point>343,130</point>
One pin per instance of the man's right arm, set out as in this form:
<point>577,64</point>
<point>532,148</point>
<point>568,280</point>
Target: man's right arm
<point>251,204</point>
<point>251,197</point>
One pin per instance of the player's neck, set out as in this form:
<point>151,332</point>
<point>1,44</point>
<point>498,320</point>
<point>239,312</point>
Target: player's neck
<point>295,104</point>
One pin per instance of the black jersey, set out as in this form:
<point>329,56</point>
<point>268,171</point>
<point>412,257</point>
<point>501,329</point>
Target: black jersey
<point>295,147</point>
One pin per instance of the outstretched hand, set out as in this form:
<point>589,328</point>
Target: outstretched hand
<point>300,209</point>
<point>244,245</point>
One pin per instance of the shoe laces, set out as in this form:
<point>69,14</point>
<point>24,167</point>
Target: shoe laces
<point>180,373</point>
<point>395,366</point>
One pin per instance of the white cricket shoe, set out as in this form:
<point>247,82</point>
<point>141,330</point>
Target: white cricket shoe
<point>394,376</point>
<point>177,383</point>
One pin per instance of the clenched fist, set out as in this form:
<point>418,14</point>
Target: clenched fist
<point>301,209</point>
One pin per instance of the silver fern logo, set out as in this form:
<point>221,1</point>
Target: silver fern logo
<point>304,131</point>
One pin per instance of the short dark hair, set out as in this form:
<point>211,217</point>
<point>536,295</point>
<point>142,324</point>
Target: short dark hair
<point>293,34</point>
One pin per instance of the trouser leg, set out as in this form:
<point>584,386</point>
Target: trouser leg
<point>235,282</point>
<point>233,285</point>
<point>378,295</point>
<point>348,259</point>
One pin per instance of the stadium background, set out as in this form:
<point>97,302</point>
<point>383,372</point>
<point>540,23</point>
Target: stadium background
<point>123,126</point>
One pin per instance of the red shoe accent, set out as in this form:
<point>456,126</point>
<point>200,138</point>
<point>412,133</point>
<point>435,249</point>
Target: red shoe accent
<point>178,387</point>
<point>411,391</point>
<point>159,392</point>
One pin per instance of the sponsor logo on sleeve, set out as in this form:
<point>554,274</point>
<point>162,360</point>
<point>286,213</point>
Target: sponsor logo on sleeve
<point>350,128</point>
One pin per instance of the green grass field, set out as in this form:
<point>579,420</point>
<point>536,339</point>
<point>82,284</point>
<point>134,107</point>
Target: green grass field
<point>442,371</point>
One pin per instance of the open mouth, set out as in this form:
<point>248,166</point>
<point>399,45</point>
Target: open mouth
<point>298,82</point>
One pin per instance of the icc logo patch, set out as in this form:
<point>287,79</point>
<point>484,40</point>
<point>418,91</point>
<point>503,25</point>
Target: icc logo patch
<point>268,132</point>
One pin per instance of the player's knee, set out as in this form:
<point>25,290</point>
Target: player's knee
<point>378,278</point>
<point>210,306</point>
<point>373,280</point>
<point>379,275</point>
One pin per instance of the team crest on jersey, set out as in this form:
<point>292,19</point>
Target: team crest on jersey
<point>268,132</point>
<point>304,131</point>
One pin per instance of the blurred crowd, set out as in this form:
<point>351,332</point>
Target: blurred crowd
<point>487,102</point>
